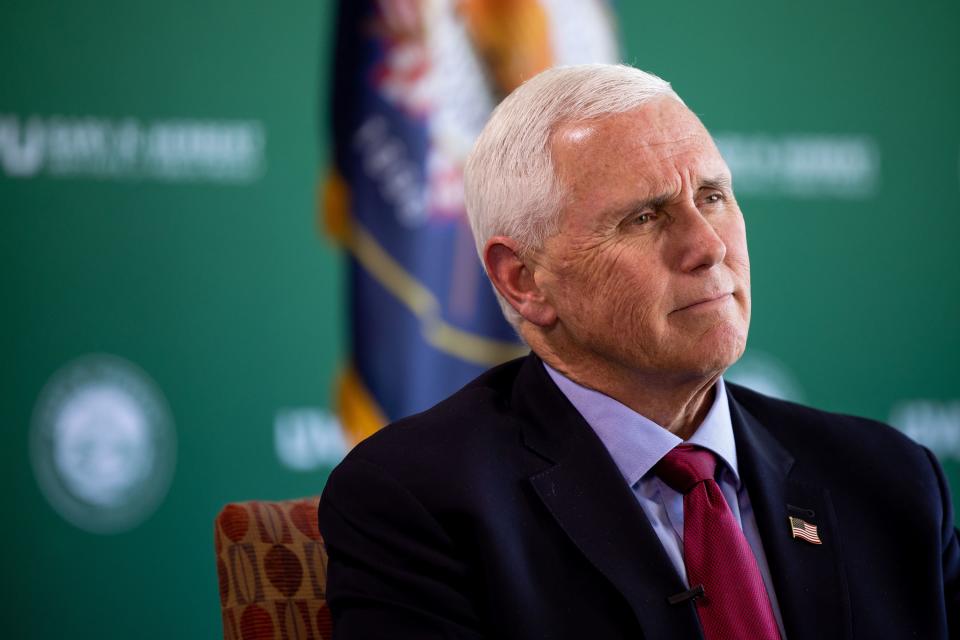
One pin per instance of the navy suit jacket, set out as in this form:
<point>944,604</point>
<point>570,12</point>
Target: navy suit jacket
<point>499,514</point>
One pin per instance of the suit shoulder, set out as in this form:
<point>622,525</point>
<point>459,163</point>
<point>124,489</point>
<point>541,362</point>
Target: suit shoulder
<point>471,423</point>
<point>807,427</point>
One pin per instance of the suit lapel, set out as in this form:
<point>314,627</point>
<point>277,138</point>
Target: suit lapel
<point>809,579</point>
<point>586,494</point>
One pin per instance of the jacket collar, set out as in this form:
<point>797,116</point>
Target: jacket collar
<point>810,580</point>
<point>585,493</point>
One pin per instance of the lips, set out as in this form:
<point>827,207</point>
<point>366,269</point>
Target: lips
<point>705,302</point>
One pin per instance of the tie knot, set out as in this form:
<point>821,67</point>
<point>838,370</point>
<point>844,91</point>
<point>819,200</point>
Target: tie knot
<point>685,466</point>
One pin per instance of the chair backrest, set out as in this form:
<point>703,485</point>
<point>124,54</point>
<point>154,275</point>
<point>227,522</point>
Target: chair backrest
<point>272,568</point>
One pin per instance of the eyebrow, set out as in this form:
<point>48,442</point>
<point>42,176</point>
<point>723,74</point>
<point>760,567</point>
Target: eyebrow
<point>720,182</point>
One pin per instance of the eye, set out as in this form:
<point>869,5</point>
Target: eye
<point>714,198</point>
<point>644,218</point>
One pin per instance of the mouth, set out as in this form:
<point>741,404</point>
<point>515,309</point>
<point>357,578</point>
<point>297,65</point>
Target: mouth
<point>705,304</point>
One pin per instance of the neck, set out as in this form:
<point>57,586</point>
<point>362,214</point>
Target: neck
<point>676,402</point>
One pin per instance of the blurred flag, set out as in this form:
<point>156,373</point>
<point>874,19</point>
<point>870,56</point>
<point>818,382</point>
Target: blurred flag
<point>414,83</point>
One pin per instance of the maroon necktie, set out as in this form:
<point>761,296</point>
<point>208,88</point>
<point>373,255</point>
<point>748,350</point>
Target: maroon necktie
<point>735,605</point>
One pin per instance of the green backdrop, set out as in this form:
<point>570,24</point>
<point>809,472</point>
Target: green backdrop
<point>136,232</point>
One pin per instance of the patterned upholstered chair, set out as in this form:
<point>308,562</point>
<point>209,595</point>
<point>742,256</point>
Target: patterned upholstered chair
<point>272,568</point>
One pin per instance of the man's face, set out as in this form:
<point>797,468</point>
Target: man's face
<point>649,272</point>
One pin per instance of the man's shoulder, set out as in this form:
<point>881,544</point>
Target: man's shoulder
<point>802,428</point>
<point>469,427</point>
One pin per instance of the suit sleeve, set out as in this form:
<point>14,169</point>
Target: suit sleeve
<point>950,552</point>
<point>392,569</point>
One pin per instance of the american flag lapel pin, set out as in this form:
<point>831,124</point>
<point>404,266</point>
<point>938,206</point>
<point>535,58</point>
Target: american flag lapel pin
<point>802,529</point>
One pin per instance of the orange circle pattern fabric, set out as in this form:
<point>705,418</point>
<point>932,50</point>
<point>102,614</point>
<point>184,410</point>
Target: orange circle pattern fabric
<point>272,571</point>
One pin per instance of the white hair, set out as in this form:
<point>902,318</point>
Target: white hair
<point>510,185</point>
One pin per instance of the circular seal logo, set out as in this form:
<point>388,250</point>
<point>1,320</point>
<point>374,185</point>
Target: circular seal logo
<point>102,444</point>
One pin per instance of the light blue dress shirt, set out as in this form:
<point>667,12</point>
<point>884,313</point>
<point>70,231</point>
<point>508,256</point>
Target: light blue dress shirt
<point>636,444</point>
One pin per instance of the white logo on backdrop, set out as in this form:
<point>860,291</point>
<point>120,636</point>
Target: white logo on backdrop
<point>765,374</point>
<point>803,165</point>
<point>308,438</point>
<point>227,151</point>
<point>934,424</point>
<point>102,444</point>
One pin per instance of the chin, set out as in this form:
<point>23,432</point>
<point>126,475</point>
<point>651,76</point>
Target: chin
<point>720,348</point>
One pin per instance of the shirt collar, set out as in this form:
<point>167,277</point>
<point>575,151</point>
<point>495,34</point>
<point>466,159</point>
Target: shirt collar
<point>637,443</point>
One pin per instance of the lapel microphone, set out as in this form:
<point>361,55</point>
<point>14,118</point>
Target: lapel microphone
<point>690,594</point>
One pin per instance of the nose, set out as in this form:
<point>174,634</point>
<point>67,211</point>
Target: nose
<point>697,242</point>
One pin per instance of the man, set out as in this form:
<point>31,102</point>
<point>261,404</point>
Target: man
<point>610,485</point>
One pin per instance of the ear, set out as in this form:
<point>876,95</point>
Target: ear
<point>515,281</point>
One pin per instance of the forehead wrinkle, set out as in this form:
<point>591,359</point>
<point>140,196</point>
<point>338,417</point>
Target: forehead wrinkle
<point>583,130</point>
<point>590,149</point>
<point>695,132</point>
<point>663,192</point>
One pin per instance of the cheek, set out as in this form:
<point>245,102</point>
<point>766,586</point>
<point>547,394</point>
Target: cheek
<point>738,261</point>
<point>623,294</point>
